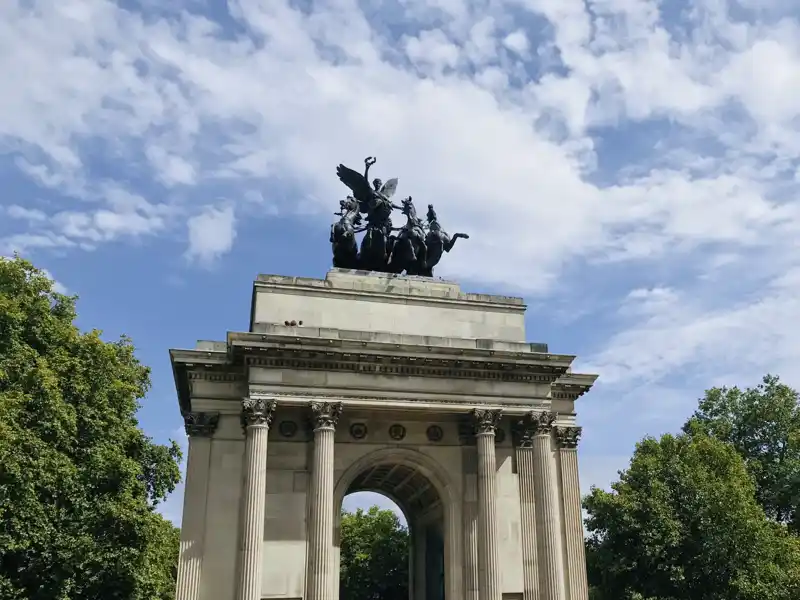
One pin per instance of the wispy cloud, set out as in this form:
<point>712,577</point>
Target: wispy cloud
<point>638,153</point>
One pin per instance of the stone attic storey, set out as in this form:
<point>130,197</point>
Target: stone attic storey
<point>401,385</point>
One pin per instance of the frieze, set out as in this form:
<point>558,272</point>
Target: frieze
<point>466,403</point>
<point>319,360</point>
<point>200,424</point>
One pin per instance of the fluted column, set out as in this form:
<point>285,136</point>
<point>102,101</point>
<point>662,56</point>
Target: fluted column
<point>526,469</point>
<point>567,438</point>
<point>548,531</point>
<point>320,551</point>
<point>471,564</point>
<point>256,418</point>
<point>199,427</point>
<point>486,422</point>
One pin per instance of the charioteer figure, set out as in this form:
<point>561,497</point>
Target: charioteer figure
<point>415,250</point>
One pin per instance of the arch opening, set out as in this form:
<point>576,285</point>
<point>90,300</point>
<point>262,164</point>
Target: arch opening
<point>418,494</point>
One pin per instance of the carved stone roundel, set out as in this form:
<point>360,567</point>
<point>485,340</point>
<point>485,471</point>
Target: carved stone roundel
<point>358,431</point>
<point>397,432</point>
<point>435,433</point>
<point>287,428</point>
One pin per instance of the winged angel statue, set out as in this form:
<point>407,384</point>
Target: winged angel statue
<point>412,250</point>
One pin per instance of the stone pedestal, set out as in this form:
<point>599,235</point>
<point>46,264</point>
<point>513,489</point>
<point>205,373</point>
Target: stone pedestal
<point>548,531</point>
<point>486,422</point>
<point>567,438</point>
<point>199,427</point>
<point>256,419</point>
<point>321,580</point>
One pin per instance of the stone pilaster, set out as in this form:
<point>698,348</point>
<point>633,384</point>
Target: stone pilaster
<point>567,438</point>
<point>321,580</point>
<point>199,427</point>
<point>548,515</point>
<point>526,468</point>
<point>486,422</point>
<point>257,416</point>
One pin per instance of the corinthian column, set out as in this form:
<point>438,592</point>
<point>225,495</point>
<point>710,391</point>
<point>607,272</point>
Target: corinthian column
<point>548,531</point>
<point>488,554</point>
<point>567,438</point>
<point>526,472</point>
<point>199,427</point>
<point>256,418</point>
<point>320,552</point>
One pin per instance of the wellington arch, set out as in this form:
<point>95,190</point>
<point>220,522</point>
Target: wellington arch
<point>403,385</point>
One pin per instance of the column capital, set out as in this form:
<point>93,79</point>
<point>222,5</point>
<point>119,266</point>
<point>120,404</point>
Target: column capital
<point>485,420</point>
<point>533,424</point>
<point>325,415</point>
<point>257,412</point>
<point>200,424</point>
<point>567,437</point>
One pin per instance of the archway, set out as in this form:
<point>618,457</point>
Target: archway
<point>416,484</point>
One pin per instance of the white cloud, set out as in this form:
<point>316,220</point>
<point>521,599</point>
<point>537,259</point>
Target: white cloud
<point>32,215</point>
<point>211,234</point>
<point>653,144</point>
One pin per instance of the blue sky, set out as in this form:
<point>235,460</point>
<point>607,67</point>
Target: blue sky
<point>630,167</point>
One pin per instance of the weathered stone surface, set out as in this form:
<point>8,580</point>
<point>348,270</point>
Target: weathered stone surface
<point>398,358</point>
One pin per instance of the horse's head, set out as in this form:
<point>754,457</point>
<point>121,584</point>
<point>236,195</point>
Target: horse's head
<point>408,207</point>
<point>349,204</point>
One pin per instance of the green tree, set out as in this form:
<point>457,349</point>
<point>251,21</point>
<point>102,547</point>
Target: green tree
<point>374,556</point>
<point>763,424</point>
<point>682,523</point>
<point>79,481</point>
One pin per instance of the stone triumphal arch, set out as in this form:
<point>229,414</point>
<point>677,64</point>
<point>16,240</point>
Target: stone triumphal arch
<point>407,386</point>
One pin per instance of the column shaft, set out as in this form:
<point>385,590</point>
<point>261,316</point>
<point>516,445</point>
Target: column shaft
<point>199,427</point>
<point>551,569</point>
<point>321,582</point>
<point>573,517</point>
<point>488,551</point>
<point>256,418</point>
<point>471,565</point>
<point>530,572</point>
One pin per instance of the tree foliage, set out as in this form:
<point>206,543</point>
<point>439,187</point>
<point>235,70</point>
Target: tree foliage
<point>374,556</point>
<point>683,523</point>
<point>79,481</point>
<point>763,425</point>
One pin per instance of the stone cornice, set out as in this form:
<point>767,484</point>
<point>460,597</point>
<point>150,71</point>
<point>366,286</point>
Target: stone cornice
<point>572,386</point>
<point>308,287</point>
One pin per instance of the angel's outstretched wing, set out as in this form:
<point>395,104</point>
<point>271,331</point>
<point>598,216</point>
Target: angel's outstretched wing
<point>389,187</point>
<point>356,182</point>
